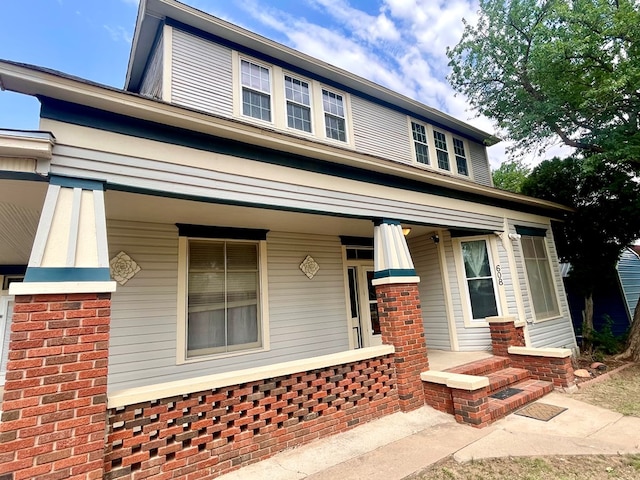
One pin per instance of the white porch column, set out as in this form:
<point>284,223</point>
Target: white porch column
<point>392,260</point>
<point>69,253</point>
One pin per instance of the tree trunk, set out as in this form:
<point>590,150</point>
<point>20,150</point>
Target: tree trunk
<point>633,342</point>
<point>587,323</point>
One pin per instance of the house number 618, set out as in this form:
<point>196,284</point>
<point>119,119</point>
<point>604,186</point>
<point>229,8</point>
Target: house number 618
<point>499,275</point>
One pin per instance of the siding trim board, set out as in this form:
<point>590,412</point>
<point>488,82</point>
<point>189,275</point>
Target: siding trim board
<point>75,114</point>
<point>295,69</point>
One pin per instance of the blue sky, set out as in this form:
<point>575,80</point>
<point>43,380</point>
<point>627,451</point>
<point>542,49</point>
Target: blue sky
<point>400,44</point>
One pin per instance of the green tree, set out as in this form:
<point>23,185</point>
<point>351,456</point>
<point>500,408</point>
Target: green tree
<point>549,70</point>
<point>606,199</point>
<point>510,175</point>
<point>567,70</point>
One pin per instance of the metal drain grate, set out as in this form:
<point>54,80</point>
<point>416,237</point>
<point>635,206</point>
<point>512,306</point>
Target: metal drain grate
<point>506,393</point>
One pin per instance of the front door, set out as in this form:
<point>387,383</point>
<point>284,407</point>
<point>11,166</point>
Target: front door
<point>365,325</point>
<point>6,311</point>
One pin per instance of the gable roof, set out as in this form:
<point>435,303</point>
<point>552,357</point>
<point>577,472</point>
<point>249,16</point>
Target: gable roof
<point>153,14</point>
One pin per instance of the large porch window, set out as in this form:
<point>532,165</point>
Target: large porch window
<point>541,287</point>
<point>221,297</point>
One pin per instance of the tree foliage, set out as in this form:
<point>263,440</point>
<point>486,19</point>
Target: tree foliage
<point>510,176</point>
<point>606,199</point>
<point>556,69</point>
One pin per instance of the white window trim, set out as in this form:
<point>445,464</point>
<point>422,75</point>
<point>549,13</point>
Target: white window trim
<point>560,314</point>
<point>312,105</point>
<point>348,127</point>
<point>263,314</point>
<point>238,86</point>
<point>492,252</point>
<point>433,155</point>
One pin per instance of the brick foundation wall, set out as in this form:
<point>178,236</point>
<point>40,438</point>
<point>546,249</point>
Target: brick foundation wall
<point>439,397</point>
<point>54,409</point>
<point>401,325</point>
<point>205,434</point>
<point>551,369</point>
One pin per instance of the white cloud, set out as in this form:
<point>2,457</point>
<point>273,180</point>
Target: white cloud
<point>118,33</point>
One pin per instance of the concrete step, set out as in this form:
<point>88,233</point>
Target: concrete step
<point>531,391</point>
<point>481,367</point>
<point>505,378</point>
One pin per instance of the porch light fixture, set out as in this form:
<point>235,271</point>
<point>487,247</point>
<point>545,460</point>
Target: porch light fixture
<point>435,238</point>
<point>406,231</point>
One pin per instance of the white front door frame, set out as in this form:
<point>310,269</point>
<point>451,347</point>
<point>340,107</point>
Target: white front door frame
<point>6,306</point>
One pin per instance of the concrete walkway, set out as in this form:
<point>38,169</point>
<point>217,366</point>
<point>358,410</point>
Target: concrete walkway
<point>401,444</point>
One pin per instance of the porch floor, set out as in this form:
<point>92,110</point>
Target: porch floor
<point>442,359</point>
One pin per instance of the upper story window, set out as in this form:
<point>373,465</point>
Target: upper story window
<point>334,116</point>
<point>461,157</point>
<point>256,90</point>
<point>442,152</point>
<point>298,97</point>
<point>420,143</point>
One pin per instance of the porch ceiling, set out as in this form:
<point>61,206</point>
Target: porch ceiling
<point>20,206</point>
<point>147,208</point>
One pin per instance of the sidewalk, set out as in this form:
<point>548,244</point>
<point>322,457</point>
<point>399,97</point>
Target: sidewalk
<point>398,445</point>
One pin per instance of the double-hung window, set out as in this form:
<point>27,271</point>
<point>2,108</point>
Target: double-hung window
<point>256,90</point>
<point>420,143</point>
<point>298,103</point>
<point>220,300</point>
<point>480,284</point>
<point>334,116</point>
<point>442,153</point>
<point>461,157</point>
<point>543,292</point>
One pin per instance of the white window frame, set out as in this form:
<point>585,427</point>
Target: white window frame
<point>554,286</point>
<point>182,303</point>
<point>241,88</point>
<point>415,142</point>
<point>465,148</point>
<point>345,109</point>
<point>310,106</point>
<point>433,151</point>
<point>499,292</point>
<point>436,160</point>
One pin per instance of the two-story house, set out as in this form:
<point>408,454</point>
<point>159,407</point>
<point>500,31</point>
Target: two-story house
<point>244,249</point>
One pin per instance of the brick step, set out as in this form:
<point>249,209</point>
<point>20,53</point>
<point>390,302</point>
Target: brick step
<point>482,367</point>
<point>532,390</point>
<point>505,378</point>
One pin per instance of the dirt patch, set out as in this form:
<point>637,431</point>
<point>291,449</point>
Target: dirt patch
<point>595,367</point>
<point>620,392</point>
<point>623,467</point>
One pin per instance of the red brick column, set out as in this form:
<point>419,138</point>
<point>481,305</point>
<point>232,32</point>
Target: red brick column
<point>505,334</point>
<point>401,326</point>
<point>55,403</point>
<point>471,407</point>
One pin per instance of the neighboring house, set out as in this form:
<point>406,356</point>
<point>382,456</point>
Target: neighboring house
<point>285,236</point>
<point>611,301</point>
<point>629,275</point>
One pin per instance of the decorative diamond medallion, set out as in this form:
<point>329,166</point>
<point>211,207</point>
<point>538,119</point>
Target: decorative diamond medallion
<point>309,266</point>
<point>123,268</point>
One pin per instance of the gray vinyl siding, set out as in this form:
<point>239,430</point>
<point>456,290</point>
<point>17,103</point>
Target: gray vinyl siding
<point>548,333</point>
<point>201,74</point>
<point>432,298</point>
<point>208,184</point>
<point>629,274</point>
<point>151,85</point>
<point>479,163</point>
<point>380,131</point>
<point>307,317</point>
<point>469,339</point>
